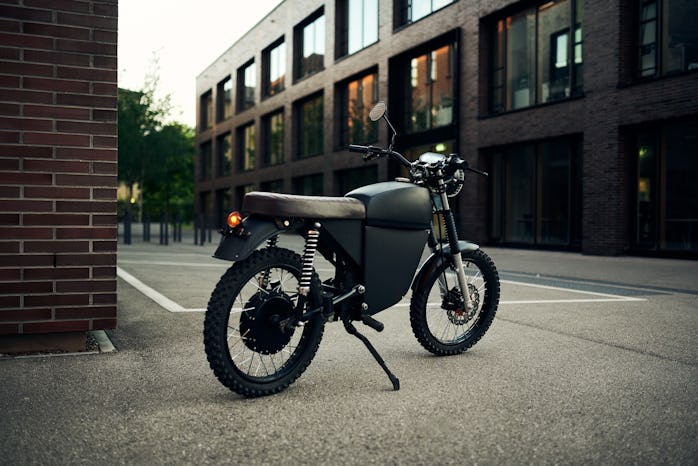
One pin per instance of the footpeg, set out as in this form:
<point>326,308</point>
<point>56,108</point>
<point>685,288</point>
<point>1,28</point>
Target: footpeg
<point>352,331</point>
<point>373,323</point>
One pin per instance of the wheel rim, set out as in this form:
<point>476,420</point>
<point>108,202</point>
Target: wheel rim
<point>257,346</point>
<point>446,317</point>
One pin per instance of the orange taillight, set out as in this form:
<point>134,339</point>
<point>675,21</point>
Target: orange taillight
<point>234,219</point>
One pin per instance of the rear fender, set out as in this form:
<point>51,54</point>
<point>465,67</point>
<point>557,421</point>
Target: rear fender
<point>436,259</point>
<point>239,243</point>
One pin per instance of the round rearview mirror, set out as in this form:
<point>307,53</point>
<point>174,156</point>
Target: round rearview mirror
<point>377,111</point>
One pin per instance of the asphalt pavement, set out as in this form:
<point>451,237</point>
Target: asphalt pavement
<point>590,360</point>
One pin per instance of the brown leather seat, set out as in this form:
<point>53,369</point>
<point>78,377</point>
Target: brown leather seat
<point>291,205</point>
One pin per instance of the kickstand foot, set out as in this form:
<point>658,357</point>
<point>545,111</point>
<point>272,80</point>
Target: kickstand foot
<point>353,331</point>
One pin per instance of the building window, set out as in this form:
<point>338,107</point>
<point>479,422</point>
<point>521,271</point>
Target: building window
<point>246,147</point>
<point>247,81</point>
<point>240,192</point>
<point>409,11</point>
<point>224,155</point>
<point>666,209</point>
<point>273,138</point>
<point>428,100</point>
<point>309,125</point>
<point>355,100</point>
<point>274,60</point>
<point>224,99</point>
<point>223,206</point>
<point>357,25</point>
<point>535,58</point>
<point>206,110</point>
<point>310,185</point>
<point>205,161</point>
<point>275,186</point>
<point>310,45</point>
<point>536,193</point>
<point>668,41</point>
<point>346,180</point>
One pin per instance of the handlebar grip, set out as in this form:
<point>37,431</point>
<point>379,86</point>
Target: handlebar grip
<point>357,148</point>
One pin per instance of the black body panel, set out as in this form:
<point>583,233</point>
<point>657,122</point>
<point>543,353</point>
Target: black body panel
<point>390,260</point>
<point>347,235</point>
<point>395,204</point>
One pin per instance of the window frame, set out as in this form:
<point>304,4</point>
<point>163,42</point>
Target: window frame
<point>267,67</point>
<point>343,27</point>
<point>299,62</point>
<point>661,50</point>
<point>245,163</point>
<point>302,129</point>
<point>498,99</point>
<point>221,100</point>
<point>267,139</point>
<point>243,103</point>
<point>402,12</point>
<point>341,96</point>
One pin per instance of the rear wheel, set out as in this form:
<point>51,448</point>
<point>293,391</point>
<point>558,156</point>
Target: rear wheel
<point>440,320</point>
<point>248,346</point>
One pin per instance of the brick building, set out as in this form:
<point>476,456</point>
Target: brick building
<point>584,112</point>
<point>58,170</point>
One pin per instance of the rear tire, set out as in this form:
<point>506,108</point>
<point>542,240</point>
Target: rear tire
<point>246,348</point>
<point>438,316</point>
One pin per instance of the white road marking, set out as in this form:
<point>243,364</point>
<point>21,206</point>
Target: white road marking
<point>172,306</point>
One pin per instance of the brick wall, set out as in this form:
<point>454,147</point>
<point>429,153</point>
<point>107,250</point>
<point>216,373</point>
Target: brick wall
<point>58,166</point>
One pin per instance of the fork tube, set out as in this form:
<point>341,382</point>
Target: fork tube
<point>452,234</point>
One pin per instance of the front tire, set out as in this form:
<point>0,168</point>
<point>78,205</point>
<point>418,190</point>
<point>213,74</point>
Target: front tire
<point>438,315</point>
<point>245,345</point>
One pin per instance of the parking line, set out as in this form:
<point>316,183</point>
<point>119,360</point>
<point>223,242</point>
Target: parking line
<point>171,306</point>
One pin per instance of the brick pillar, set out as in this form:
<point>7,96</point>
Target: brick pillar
<point>58,167</point>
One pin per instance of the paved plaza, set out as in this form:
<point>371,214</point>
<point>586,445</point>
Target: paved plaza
<point>590,360</point>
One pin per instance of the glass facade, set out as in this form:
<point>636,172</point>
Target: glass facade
<point>309,127</point>
<point>275,70</point>
<point>357,25</point>
<point>668,37</point>
<point>430,90</point>
<point>224,99</point>
<point>246,148</point>
<point>537,56</point>
<point>311,45</point>
<point>206,111</point>
<point>310,185</point>
<point>273,138</point>
<point>536,193</point>
<point>247,84</point>
<point>410,11</point>
<point>205,161</point>
<point>356,98</point>
<point>353,178</point>
<point>224,155</point>
<point>666,210</point>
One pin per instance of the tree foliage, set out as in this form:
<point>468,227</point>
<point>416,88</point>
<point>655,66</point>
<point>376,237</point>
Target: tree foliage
<point>155,155</point>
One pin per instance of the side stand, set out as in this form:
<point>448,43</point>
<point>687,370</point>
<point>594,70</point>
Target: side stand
<point>353,331</point>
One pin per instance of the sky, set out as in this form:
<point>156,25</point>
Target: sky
<point>183,38</point>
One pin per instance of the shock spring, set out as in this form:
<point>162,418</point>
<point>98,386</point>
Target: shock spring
<point>311,242</point>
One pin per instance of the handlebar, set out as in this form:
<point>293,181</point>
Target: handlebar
<point>374,152</point>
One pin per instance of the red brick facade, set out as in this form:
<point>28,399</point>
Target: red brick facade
<point>58,166</point>
<point>613,110</point>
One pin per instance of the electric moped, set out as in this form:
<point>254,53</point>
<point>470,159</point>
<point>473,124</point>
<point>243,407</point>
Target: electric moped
<point>266,315</point>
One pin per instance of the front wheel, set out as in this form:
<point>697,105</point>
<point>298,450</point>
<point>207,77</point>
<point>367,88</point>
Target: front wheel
<point>249,349</point>
<point>440,320</point>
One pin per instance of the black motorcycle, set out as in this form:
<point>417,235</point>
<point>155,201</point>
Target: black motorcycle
<point>266,316</point>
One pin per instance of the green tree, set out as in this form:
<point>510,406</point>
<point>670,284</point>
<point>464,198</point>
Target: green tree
<point>155,156</point>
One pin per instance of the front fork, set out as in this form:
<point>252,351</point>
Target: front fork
<point>452,235</point>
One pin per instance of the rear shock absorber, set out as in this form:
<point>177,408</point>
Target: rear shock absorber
<point>311,242</point>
